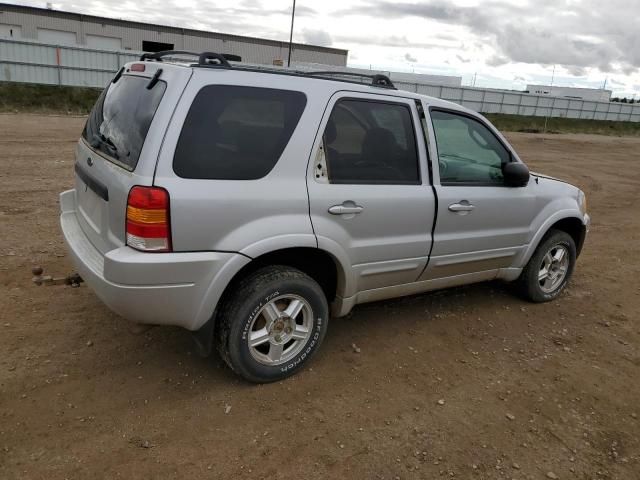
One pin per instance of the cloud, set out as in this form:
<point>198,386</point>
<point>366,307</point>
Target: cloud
<point>409,58</point>
<point>317,37</point>
<point>575,34</point>
<point>496,61</point>
<point>577,71</point>
<point>389,41</point>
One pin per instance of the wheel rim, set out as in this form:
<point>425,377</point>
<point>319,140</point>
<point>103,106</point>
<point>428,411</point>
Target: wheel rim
<point>280,330</point>
<point>553,269</point>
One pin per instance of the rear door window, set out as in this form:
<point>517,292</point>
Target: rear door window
<point>236,133</point>
<point>371,142</point>
<point>118,124</point>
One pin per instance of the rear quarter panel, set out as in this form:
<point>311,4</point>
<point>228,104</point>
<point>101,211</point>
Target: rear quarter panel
<point>248,216</point>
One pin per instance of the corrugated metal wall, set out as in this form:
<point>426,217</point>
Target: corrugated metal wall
<point>33,62</point>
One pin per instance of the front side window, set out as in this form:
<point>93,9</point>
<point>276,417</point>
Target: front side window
<point>236,133</point>
<point>468,152</point>
<point>118,124</point>
<point>370,142</point>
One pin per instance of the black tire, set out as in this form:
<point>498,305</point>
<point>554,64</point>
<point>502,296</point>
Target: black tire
<point>529,284</point>
<point>244,305</point>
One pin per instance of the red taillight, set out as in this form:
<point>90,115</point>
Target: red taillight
<point>137,67</point>
<point>148,225</point>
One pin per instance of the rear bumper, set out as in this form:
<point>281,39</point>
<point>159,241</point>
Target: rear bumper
<point>180,289</point>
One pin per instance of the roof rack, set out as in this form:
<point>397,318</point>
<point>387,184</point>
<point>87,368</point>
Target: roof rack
<point>377,80</point>
<point>221,60</point>
<point>203,58</point>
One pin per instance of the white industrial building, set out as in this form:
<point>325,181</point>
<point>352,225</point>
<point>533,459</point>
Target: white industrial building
<point>590,94</point>
<point>56,27</point>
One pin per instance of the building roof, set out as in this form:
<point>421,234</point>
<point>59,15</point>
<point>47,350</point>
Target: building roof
<point>153,26</point>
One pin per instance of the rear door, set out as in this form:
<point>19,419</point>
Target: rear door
<point>119,147</point>
<point>369,188</point>
<point>482,223</point>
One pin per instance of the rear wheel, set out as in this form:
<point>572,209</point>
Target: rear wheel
<point>550,267</point>
<point>272,323</point>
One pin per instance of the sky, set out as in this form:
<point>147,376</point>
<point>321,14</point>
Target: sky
<point>494,43</point>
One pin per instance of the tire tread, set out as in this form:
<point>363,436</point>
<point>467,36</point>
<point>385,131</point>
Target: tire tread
<point>240,291</point>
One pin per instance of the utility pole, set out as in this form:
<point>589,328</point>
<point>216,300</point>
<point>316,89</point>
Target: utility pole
<point>546,119</point>
<point>293,15</point>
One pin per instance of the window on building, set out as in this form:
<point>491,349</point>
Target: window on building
<point>148,46</point>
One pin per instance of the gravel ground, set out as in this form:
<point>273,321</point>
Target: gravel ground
<point>469,383</point>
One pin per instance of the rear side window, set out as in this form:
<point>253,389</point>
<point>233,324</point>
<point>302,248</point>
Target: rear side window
<point>371,142</point>
<point>236,133</point>
<point>118,124</point>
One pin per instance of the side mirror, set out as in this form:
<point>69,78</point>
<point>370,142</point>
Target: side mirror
<point>515,174</point>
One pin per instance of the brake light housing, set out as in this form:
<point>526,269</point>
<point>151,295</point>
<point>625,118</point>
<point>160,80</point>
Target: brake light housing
<point>148,226</point>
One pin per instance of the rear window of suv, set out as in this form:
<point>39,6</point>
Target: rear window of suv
<point>236,133</point>
<point>118,124</point>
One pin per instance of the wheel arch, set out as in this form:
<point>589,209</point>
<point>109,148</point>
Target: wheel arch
<point>319,264</point>
<point>567,221</point>
<point>574,227</point>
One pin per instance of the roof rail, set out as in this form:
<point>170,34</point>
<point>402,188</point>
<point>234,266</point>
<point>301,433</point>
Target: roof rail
<point>221,60</point>
<point>203,58</point>
<point>377,80</point>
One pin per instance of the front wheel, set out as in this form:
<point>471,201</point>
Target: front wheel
<point>550,267</point>
<point>272,323</point>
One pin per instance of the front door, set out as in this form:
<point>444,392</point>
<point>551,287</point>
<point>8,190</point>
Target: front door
<point>482,225</point>
<point>370,199</point>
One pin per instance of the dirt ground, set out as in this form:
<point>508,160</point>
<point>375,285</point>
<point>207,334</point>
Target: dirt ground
<point>469,383</point>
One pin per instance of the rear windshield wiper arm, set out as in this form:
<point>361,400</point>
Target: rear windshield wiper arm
<point>154,79</point>
<point>100,139</point>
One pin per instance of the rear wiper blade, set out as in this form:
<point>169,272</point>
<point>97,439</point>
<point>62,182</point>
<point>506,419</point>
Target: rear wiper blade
<point>100,139</point>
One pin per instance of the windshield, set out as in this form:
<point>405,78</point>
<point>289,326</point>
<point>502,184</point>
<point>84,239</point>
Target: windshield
<point>118,124</point>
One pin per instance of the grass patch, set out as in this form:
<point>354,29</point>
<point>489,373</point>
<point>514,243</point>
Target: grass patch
<point>518,123</point>
<point>29,98</point>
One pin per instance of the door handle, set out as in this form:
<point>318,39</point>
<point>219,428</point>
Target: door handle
<point>345,209</point>
<point>463,206</point>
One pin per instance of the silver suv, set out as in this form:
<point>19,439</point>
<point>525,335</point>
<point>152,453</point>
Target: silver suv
<point>249,205</point>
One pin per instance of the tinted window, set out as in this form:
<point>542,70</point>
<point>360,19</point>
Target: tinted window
<point>468,152</point>
<point>371,142</point>
<point>236,133</point>
<point>118,124</point>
